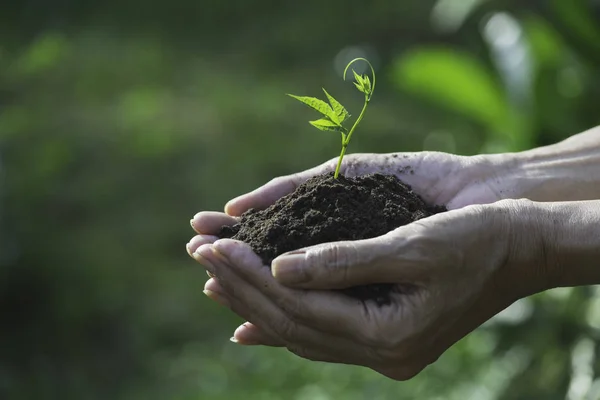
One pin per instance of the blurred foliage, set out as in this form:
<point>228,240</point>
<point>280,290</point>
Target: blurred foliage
<point>120,120</point>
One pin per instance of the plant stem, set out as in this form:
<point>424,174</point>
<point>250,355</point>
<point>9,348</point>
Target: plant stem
<point>346,139</point>
<point>360,117</point>
<point>339,164</point>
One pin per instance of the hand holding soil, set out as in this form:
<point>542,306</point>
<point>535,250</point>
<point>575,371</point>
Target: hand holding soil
<point>455,273</point>
<point>248,287</point>
<point>449,271</point>
<point>439,178</point>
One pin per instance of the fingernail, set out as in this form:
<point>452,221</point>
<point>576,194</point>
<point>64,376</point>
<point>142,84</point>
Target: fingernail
<point>247,335</point>
<point>233,339</point>
<point>192,222</point>
<point>216,297</point>
<point>289,269</point>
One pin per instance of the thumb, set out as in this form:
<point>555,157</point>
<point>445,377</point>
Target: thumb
<point>273,190</point>
<point>338,265</point>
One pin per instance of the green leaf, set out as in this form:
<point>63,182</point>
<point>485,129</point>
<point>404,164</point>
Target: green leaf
<point>339,109</point>
<point>545,43</point>
<point>318,105</point>
<point>325,124</point>
<point>359,87</point>
<point>367,85</point>
<point>578,17</point>
<point>456,80</point>
<point>359,79</point>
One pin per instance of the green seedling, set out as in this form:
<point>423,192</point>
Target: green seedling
<point>335,114</point>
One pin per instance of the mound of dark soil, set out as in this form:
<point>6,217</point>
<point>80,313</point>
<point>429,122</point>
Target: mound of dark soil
<point>324,209</point>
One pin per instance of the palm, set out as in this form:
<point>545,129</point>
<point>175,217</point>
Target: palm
<point>439,178</point>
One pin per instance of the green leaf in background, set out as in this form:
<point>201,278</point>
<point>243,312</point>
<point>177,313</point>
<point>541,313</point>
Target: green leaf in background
<point>325,124</point>
<point>577,16</point>
<point>545,43</point>
<point>455,80</point>
<point>318,105</point>
<point>339,109</point>
<point>43,54</point>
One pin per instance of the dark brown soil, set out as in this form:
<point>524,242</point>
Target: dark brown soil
<point>324,209</point>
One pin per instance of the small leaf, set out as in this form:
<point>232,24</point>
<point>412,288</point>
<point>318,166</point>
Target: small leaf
<point>359,87</point>
<point>367,84</point>
<point>325,124</point>
<point>340,110</point>
<point>359,79</point>
<point>318,105</point>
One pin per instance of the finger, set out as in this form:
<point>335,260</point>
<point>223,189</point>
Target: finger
<point>392,258</point>
<point>272,191</point>
<point>246,334</point>
<point>354,165</point>
<point>249,334</point>
<point>213,291</point>
<point>249,303</point>
<point>198,241</point>
<point>210,222</point>
<point>206,264</point>
<point>327,311</point>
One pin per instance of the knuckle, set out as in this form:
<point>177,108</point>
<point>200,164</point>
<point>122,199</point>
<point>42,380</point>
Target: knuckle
<point>227,286</point>
<point>287,329</point>
<point>332,260</point>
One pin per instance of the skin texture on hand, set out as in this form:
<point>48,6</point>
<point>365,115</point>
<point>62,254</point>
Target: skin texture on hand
<point>440,178</point>
<point>460,274</point>
<point>565,171</point>
<point>458,264</point>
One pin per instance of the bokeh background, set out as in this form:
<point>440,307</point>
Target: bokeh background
<point>121,119</point>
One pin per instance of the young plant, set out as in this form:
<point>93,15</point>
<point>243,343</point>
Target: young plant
<point>334,114</point>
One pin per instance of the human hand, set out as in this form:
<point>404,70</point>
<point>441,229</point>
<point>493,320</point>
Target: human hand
<point>439,178</point>
<point>463,266</point>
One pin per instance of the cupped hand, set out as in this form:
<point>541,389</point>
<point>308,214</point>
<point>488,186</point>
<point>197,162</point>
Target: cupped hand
<point>463,266</point>
<point>439,178</point>
<point>458,264</point>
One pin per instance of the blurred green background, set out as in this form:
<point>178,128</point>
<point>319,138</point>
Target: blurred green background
<point>119,120</point>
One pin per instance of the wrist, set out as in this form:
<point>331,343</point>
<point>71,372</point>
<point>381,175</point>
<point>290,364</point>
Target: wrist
<point>554,244</point>
<point>521,238</point>
<point>566,171</point>
<point>528,242</point>
<point>572,236</point>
